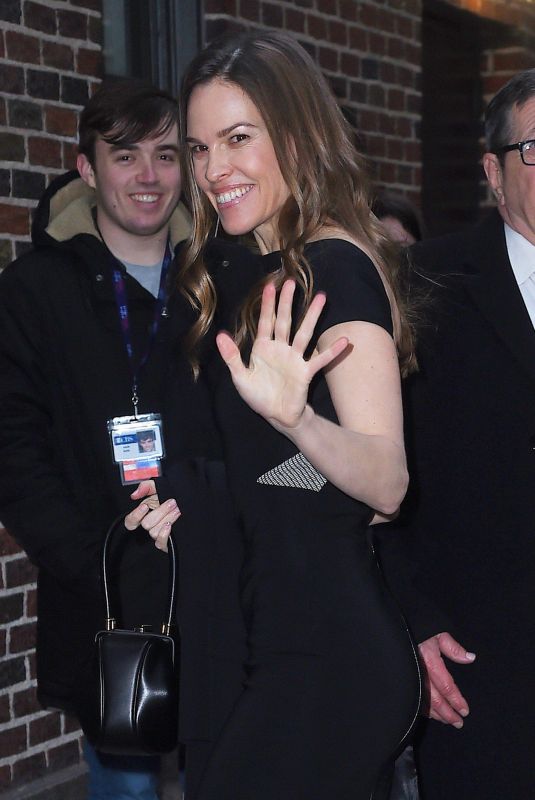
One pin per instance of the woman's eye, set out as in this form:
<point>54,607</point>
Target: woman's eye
<point>196,149</point>
<point>238,137</point>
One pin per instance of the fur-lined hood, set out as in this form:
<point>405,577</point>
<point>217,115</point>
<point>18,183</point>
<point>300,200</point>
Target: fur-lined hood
<point>65,211</point>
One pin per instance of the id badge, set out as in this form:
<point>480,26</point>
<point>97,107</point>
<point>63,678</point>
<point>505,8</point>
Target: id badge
<point>137,446</point>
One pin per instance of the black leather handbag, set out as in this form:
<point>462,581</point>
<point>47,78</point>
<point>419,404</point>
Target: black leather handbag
<point>130,703</point>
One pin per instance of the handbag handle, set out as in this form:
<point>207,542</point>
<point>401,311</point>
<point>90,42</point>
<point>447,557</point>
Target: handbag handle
<point>110,620</point>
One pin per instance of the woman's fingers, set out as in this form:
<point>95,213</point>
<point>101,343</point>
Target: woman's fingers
<point>283,319</point>
<point>278,324</point>
<point>321,360</point>
<point>230,353</point>
<point>147,518</point>
<point>167,512</point>
<point>157,521</point>
<point>277,328</point>
<point>160,533</point>
<point>228,349</point>
<point>160,530</point>
<point>306,329</point>
<point>134,518</point>
<point>267,312</point>
<point>144,489</point>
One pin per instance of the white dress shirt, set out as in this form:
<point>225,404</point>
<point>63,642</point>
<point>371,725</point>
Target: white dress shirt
<point>522,257</point>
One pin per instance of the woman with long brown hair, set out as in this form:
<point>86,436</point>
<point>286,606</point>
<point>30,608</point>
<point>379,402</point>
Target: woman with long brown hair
<point>315,453</point>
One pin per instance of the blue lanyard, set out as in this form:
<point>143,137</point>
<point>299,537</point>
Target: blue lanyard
<point>160,310</point>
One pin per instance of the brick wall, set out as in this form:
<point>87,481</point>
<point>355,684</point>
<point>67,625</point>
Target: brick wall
<point>511,52</point>
<point>50,59</point>
<point>370,52</point>
<point>32,741</point>
<point>50,56</point>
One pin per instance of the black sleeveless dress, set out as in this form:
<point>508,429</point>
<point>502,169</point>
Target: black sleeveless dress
<point>333,685</point>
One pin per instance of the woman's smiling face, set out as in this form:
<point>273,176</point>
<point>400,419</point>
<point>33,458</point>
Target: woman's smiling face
<point>234,161</point>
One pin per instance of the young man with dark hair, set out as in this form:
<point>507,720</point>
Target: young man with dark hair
<point>90,332</point>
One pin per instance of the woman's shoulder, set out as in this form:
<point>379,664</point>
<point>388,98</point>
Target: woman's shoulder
<point>338,262</point>
<point>338,242</point>
<point>351,281</point>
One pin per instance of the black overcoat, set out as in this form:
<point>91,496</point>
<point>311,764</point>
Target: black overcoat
<point>470,514</point>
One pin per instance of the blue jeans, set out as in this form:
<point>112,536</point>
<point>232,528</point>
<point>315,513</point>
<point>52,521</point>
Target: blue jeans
<point>121,777</point>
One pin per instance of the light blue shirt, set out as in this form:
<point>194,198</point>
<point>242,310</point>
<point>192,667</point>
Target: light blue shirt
<point>148,277</point>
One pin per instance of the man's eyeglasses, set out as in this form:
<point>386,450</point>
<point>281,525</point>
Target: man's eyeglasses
<point>527,151</point>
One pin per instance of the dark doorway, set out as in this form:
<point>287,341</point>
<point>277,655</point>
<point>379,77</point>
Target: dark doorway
<point>451,117</point>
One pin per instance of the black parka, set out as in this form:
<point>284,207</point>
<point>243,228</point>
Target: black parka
<point>63,373</point>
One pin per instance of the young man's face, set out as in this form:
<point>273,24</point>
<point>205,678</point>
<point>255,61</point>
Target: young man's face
<point>137,187</point>
<point>147,445</point>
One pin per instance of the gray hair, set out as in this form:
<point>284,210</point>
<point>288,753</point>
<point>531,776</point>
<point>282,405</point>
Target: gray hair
<point>498,122</point>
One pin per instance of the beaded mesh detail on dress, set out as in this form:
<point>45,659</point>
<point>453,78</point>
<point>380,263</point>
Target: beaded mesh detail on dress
<point>297,473</point>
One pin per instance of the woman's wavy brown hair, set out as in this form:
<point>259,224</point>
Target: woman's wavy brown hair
<point>327,179</point>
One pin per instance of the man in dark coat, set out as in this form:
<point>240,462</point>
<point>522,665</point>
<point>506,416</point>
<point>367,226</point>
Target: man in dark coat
<point>66,370</point>
<point>471,517</point>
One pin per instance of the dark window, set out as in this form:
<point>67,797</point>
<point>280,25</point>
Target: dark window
<point>154,41</point>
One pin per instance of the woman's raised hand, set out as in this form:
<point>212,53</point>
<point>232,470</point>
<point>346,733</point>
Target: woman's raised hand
<point>155,518</point>
<point>275,384</point>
